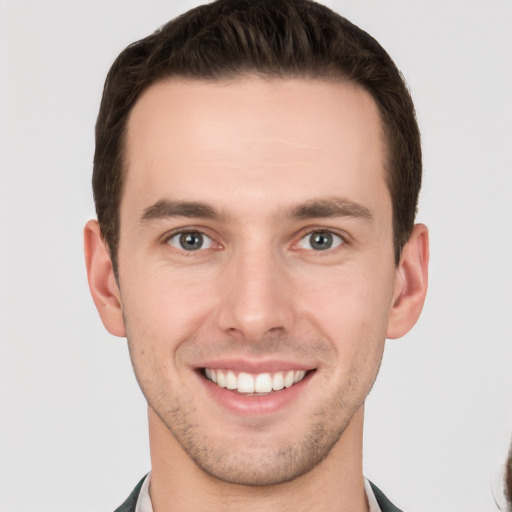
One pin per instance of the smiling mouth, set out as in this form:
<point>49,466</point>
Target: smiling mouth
<point>254,384</point>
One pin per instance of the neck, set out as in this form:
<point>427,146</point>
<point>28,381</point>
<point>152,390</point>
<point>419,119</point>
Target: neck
<point>335,484</point>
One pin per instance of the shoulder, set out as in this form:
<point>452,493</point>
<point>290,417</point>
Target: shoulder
<point>131,501</point>
<point>384,504</point>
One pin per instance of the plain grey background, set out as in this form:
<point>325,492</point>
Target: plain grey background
<point>73,421</point>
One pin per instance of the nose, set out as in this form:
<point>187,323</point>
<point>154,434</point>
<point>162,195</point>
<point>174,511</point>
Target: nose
<point>255,296</point>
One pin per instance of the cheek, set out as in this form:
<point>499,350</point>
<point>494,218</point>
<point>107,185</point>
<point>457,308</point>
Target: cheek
<point>349,310</point>
<point>165,303</point>
<point>350,306</point>
<point>160,314</point>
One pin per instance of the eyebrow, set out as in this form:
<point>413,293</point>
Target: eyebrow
<point>166,208</point>
<point>331,207</point>
<point>314,209</point>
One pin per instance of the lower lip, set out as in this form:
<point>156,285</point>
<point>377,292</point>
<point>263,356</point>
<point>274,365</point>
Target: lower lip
<point>251,405</point>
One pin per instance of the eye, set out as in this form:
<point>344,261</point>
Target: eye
<point>320,241</point>
<point>190,241</point>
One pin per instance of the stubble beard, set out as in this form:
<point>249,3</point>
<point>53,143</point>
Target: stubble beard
<point>254,463</point>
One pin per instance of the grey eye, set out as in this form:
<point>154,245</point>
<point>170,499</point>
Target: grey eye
<point>320,240</point>
<point>190,241</point>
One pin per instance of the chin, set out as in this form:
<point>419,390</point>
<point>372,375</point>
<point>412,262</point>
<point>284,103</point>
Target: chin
<point>260,464</point>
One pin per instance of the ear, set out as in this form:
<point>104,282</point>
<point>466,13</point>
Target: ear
<point>410,284</point>
<point>102,283</point>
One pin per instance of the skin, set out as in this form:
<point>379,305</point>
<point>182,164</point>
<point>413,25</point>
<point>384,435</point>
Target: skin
<point>269,162</point>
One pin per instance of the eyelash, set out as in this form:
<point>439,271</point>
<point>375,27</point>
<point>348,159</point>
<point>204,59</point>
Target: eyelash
<point>344,241</point>
<point>166,239</point>
<point>324,231</point>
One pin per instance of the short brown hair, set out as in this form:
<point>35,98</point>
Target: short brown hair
<point>276,38</point>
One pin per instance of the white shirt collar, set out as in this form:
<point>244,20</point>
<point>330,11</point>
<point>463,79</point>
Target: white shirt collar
<point>373,506</point>
<point>144,500</point>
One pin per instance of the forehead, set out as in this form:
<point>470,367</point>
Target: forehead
<point>280,138</point>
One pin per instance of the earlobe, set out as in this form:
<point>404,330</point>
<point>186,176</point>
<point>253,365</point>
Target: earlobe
<point>410,284</point>
<point>102,282</point>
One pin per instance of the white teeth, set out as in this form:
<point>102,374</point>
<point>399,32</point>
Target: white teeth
<point>299,375</point>
<point>261,383</point>
<point>278,381</point>
<point>245,383</point>
<point>221,379</point>
<point>231,380</point>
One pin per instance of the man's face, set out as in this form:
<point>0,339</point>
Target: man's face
<point>256,250</point>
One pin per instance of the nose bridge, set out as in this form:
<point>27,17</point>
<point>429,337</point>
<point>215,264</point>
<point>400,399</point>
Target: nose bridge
<point>253,298</point>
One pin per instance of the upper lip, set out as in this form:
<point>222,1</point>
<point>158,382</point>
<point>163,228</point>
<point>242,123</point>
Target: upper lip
<point>255,365</point>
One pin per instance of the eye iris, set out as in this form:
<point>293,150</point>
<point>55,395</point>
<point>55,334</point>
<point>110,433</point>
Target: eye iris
<point>321,240</point>
<point>191,241</point>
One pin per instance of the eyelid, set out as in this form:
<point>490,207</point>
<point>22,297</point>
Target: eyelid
<point>166,237</point>
<point>207,241</point>
<point>305,232</point>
